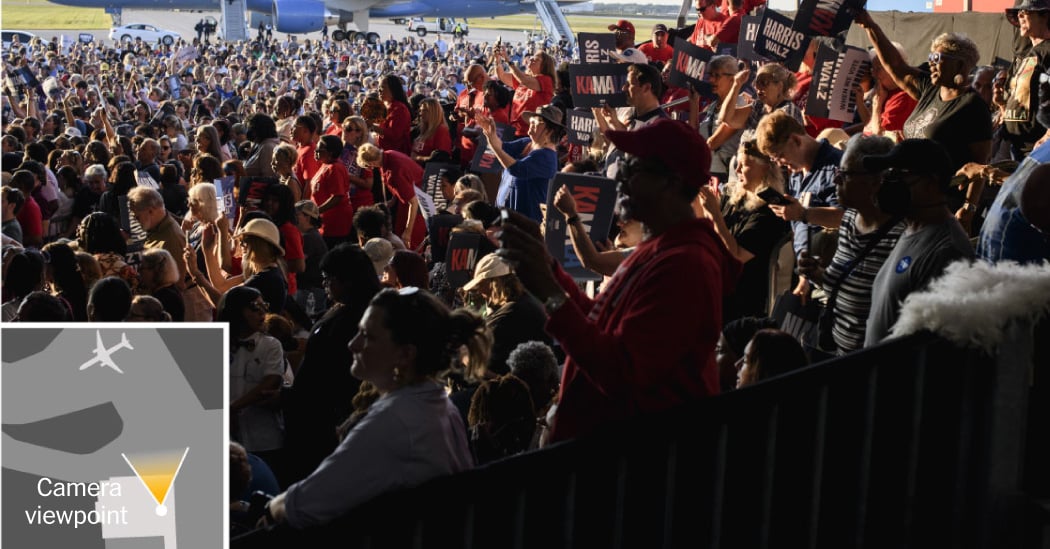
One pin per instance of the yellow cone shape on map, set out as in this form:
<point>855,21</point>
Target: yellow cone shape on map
<point>157,470</point>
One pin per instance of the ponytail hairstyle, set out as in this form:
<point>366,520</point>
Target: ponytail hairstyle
<point>416,317</point>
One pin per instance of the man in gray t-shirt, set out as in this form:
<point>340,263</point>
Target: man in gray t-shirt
<point>918,172</point>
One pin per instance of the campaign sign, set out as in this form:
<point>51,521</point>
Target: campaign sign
<point>777,41</point>
<point>485,160</point>
<point>826,17</point>
<point>745,47</point>
<point>595,47</point>
<point>426,203</point>
<point>580,126</point>
<point>835,75</point>
<point>461,257</point>
<point>432,173</point>
<point>595,204</point>
<point>224,192</point>
<point>598,85</point>
<point>689,67</point>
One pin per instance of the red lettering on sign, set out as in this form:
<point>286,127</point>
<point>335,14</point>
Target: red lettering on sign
<point>822,22</point>
<point>487,160</point>
<point>584,85</point>
<point>586,198</point>
<point>460,259</point>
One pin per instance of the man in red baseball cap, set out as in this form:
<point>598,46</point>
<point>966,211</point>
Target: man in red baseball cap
<point>647,342</point>
<point>624,32</point>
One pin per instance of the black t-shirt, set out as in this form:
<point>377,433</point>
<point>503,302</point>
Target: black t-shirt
<point>1023,101</point>
<point>85,202</point>
<point>273,286</point>
<point>954,124</point>
<point>757,231</point>
<point>314,249</point>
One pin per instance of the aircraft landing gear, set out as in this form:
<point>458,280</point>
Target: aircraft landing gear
<point>114,13</point>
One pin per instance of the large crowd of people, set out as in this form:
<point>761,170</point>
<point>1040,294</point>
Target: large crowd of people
<point>286,188</point>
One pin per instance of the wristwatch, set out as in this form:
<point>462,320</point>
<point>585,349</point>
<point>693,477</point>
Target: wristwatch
<point>554,302</point>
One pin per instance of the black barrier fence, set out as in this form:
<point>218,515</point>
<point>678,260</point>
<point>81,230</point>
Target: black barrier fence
<point>914,443</point>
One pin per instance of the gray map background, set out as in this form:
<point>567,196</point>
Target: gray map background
<point>170,396</point>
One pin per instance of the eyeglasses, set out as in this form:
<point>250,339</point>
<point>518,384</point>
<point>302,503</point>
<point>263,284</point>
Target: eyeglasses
<point>937,57</point>
<point>259,306</point>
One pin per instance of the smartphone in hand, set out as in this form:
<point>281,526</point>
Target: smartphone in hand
<point>772,196</point>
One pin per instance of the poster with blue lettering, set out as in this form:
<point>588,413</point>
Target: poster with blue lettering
<point>595,47</point>
<point>835,75</point>
<point>826,17</point>
<point>595,205</point>
<point>689,67</point>
<point>580,125</point>
<point>777,41</point>
<point>596,85</point>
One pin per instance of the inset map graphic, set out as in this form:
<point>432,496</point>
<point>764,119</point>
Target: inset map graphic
<point>103,425</point>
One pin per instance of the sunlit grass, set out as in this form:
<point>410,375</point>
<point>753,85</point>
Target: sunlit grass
<point>38,14</point>
<point>579,23</point>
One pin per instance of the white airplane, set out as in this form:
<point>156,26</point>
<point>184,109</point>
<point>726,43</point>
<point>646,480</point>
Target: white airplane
<point>102,354</point>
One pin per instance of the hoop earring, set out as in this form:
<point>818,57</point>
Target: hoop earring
<point>397,375</point>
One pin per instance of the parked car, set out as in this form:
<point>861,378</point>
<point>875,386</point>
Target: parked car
<point>23,37</point>
<point>148,33</point>
<point>441,25</point>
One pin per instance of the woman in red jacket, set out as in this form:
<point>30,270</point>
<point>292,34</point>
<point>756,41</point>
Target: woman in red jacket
<point>401,176</point>
<point>395,133</point>
<point>433,131</point>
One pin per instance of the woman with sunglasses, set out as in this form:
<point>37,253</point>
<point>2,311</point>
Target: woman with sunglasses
<point>338,111</point>
<point>355,134</point>
<point>773,87</point>
<point>401,176</point>
<point>413,432</point>
<point>949,111</point>
<point>256,371</point>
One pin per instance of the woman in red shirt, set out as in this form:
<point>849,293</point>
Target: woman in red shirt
<point>402,176</point>
<point>533,87</point>
<point>338,110</point>
<point>433,131</point>
<point>330,189</point>
<point>395,133</point>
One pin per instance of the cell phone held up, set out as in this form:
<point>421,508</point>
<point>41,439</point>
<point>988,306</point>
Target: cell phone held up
<point>773,196</point>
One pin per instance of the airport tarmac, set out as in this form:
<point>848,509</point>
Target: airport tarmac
<point>183,22</point>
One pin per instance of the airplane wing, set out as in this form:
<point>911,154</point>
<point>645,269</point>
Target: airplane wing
<point>100,349</point>
<point>107,361</point>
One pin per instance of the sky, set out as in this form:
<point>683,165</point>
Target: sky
<point>873,5</point>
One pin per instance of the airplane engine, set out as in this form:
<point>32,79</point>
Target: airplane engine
<point>300,16</point>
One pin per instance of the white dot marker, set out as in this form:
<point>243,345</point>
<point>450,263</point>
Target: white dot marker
<point>162,510</point>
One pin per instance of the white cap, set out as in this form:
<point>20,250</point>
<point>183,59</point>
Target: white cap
<point>630,55</point>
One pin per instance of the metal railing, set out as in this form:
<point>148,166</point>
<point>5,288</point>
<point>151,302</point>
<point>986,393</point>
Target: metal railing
<point>915,443</point>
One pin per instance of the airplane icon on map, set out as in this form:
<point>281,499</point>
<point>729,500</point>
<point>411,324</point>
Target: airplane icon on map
<point>102,354</point>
